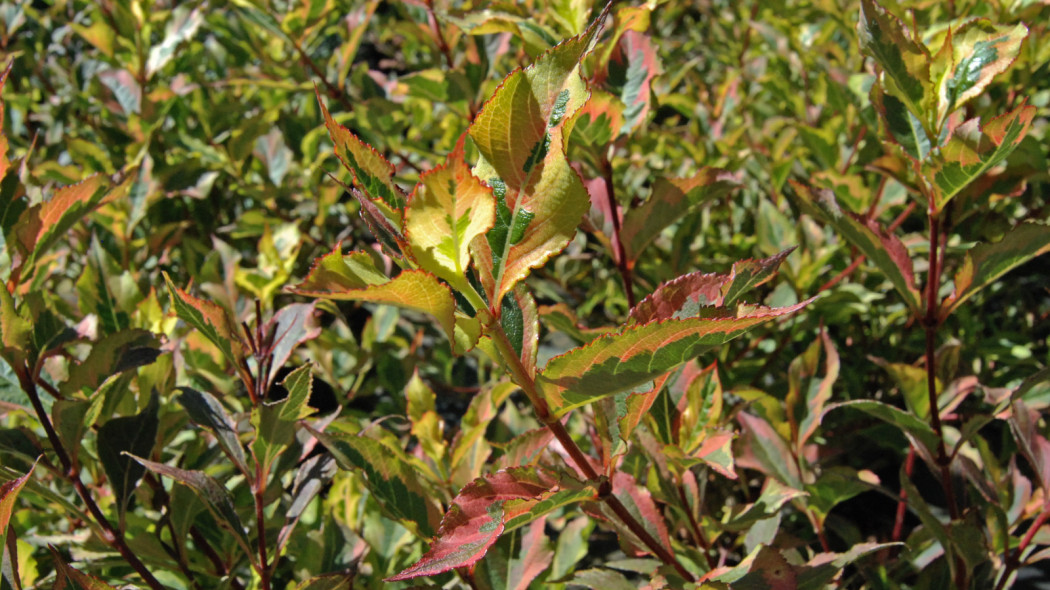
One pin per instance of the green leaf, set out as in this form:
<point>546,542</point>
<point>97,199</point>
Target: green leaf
<point>519,134</point>
<point>808,391</point>
<point>113,353</point>
<point>885,250</point>
<point>390,477</point>
<point>640,353</point>
<point>370,170</point>
<point>909,424</point>
<point>834,486</point>
<point>904,127</point>
<point>215,497</point>
<point>670,200</point>
<point>773,497</point>
<point>985,263</point>
<point>210,320</point>
<point>913,385</point>
<point>67,577</point>
<point>15,331</point>
<point>328,582</point>
<point>299,384</point>
<point>974,54</point>
<point>206,411</point>
<point>974,149</point>
<point>337,272</point>
<point>905,63</point>
<point>67,416</point>
<point>412,289</point>
<point>182,26</point>
<point>119,438</point>
<point>8,494</point>
<point>447,210</point>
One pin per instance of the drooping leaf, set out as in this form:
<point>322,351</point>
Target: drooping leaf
<point>808,391</point>
<point>447,210</point>
<point>910,425</point>
<point>823,567</point>
<point>632,68</point>
<point>206,411</point>
<point>8,495</point>
<point>904,127</point>
<point>67,416</point>
<point>291,326</point>
<point>394,482</point>
<point>328,582</point>
<point>113,353</point>
<point>640,353</point>
<point>905,63</point>
<point>215,497</point>
<point>68,578</point>
<point>519,134</point>
<point>974,149</point>
<point>985,263</point>
<point>884,249</point>
<point>120,436</point>
<point>211,320</point>
<point>980,51</point>
<point>670,200</point>
<point>370,170</point>
<point>336,271</point>
<point>412,289</point>
<point>481,512</point>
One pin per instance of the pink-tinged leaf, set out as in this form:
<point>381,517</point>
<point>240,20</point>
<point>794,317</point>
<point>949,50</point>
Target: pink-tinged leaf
<point>1034,446</point>
<point>808,391</point>
<point>688,294</point>
<point>824,567</point>
<point>700,409</point>
<point>883,249</point>
<point>670,200</point>
<point>209,319</point>
<point>67,578</point>
<point>764,568</point>
<point>291,326</point>
<point>596,124</point>
<point>519,135</point>
<point>769,450</point>
<point>973,55</point>
<point>639,354</point>
<point>905,63</point>
<point>412,289</point>
<point>618,415</point>
<point>770,502</point>
<point>639,502</point>
<point>985,263</point>
<point>370,170</point>
<point>8,494</point>
<point>535,557</point>
<point>520,322</point>
<point>562,318</point>
<point>635,61</point>
<point>526,448</point>
<point>716,451</point>
<point>482,511</point>
<point>447,210</point>
<point>974,149</point>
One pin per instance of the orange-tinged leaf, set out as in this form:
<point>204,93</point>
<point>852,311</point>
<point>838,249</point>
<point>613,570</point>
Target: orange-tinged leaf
<point>338,272</point>
<point>8,494</point>
<point>448,208</point>
<point>905,63</point>
<point>68,578</point>
<point>412,289</point>
<point>641,353</point>
<point>973,55</point>
<point>4,162</point>
<point>209,319</point>
<point>519,134</point>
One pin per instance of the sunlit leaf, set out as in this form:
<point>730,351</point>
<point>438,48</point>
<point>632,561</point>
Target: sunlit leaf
<point>8,495</point>
<point>209,319</point>
<point>980,51</point>
<point>905,62</point>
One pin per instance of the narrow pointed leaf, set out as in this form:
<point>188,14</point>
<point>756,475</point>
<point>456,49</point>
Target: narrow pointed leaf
<point>637,64</point>
<point>215,497</point>
<point>985,263</point>
<point>808,390</point>
<point>904,61</point>
<point>371,172</point>
<point>483,510</point>
<point>15,331</point>
<point>8,495</point>
<point>66,577</point>
<point>519,134</point>
<point>885,250</point>
<point>974,149</point>
<point>670,200</point>
<point>638,354</point>
<point>40,226</point>
<point>980,51</point>
<point>824,567</point>
<point>393,481</point>
<point>328,582</point>
<point>291,326</point>
<point>412,289</point>
<point>904,127</point>
<point>209,319</point>
<point>910,425</point>
<point>130,434</point>
<point>336,271</point>
<point>639,502</point>
<point>447,210</point>
<point>207,412</point>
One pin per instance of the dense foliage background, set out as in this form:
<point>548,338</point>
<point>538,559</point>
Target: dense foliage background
<point>202,122</point>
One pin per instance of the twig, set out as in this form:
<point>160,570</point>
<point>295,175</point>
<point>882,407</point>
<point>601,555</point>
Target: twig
<point>622,263</point>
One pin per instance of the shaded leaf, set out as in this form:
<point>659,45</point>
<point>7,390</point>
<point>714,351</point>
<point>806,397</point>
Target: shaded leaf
<point>639,502</point>
<point>563,318</point>
<point>640,353</point>
<point>121,438</point>
<point>113,353</point>
<point>68,578</point>
<point>291,326</point>
<point>974,149</point>
<point>909,424</point>
<point>206,411</point>
<point>771,450</point>
<point>336,271</point>
<point>328,582</point>
<point>903,126</point>
<point>181,27</point>
<point>670,200</point>
<point>519,134</point>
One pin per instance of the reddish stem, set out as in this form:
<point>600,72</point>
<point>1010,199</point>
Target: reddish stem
<point>624,265</point>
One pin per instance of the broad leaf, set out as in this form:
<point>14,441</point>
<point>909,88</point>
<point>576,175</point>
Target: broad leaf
<point>206,411</point>
<point>118,439</point>
<point>336,271</point>
<point>670,200</point>
<point>412,289</point>
<point>974,149</point>
<point>639,503</point>
<point>519,134</point>
<point>484,509</point>
<point>770,450</point>
<point>215,497</point>
<point>911,426</point>
<point>640,353</point>
<point>291,326</point>
<point>979,51</point>
<point>447,210</point>
<point>563,318</point>
<point>985,263</point>
<point>370,170</point>
<point>113,353</point>
<point>905,63</point>
<point>274,424</point>
<point>885,250</point>
<point>8,494</point>
<point>211,320</point>
<point>394,482</point>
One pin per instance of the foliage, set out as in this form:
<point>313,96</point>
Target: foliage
<point>675,295</point>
